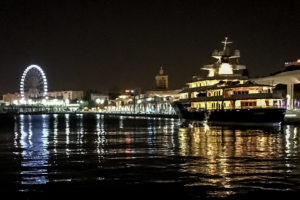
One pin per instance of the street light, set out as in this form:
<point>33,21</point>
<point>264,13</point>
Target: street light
<point>98,101</point>
<point>67,102</point>
<point>131,92</point>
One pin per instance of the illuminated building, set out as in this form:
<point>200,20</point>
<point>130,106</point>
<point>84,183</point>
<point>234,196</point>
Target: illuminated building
<point>42,104</point>
<point>289,76</point>
<point>142,105</point>
<point>69,94</point>
<point>96,97</point>
<point>288,64</point>
<point>162,82</point>
<point>157,101</point>
<point>11,98</point>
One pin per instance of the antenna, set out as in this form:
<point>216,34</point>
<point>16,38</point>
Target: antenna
<point>225,42</point>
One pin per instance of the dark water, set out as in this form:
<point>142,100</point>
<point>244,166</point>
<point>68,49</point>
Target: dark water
<point>46,156</point>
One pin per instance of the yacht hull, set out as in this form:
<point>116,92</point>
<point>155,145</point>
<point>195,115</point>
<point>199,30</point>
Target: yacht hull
<point>264,115</point>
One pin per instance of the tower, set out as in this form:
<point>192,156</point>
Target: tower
<point>162,80</point>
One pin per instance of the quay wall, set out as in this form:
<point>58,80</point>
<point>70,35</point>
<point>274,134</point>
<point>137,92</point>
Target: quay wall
<point>8,116</point>
<point>11,115</point>
<point>291,120</point>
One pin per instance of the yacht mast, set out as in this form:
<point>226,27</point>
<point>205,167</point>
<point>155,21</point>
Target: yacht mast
<point>225,42</point>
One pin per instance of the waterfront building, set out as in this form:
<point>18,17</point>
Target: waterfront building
<point>69,94</point>
<point>99,98</point>
<point>146,104</point>
<point>2,105</point>
<point>157,101</point>
<point>288,64</point>
<point>43,104</point>
<point>164,93</point>
<point>287,83</point>
<point>152,104</point>
<point>48,101</point>
<point>162,82</point>
<point>11,98</point>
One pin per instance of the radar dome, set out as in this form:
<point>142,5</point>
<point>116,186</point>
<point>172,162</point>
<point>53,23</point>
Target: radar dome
<point>215,53</point>
<point>237,53</point>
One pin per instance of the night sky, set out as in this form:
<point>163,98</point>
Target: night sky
<point>85,45</point>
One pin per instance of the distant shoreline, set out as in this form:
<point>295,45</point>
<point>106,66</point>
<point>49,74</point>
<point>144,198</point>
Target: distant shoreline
<point>93,113</point>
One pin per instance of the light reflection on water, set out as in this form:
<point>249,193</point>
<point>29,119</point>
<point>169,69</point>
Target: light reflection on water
<point>251,158</point>
<point>83,148</point>
<point>35,154</point>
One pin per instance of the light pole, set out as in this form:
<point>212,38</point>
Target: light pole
<point>132,91</point>
<point>98,101</point>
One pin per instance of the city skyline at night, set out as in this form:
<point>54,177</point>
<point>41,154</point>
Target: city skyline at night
<point>97,45</point>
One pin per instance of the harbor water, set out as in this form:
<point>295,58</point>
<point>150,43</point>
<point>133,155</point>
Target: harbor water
<point>47,156</point>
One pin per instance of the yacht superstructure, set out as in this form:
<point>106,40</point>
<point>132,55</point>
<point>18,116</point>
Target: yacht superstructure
<point>225,95</point>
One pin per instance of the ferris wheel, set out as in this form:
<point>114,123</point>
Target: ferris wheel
<point>33,83</point>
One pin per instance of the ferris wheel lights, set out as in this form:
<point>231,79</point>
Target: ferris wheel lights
<point>37,82</point>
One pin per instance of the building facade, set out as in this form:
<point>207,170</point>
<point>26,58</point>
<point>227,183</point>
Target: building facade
<point>143,104</point>
<point>165,93</point>
<point>99,97</point>
<point>162,82</point>
<point>286,82</point>
<point>44,104</point>
<point>70,94</point>
<point>155,105</point>
<point>296,63</point>
<point>11,98</point>
<point>157,101</point>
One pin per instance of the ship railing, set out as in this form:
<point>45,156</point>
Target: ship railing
<point>254,107</point>
<point>231,108</point>
<point>196,109</point>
